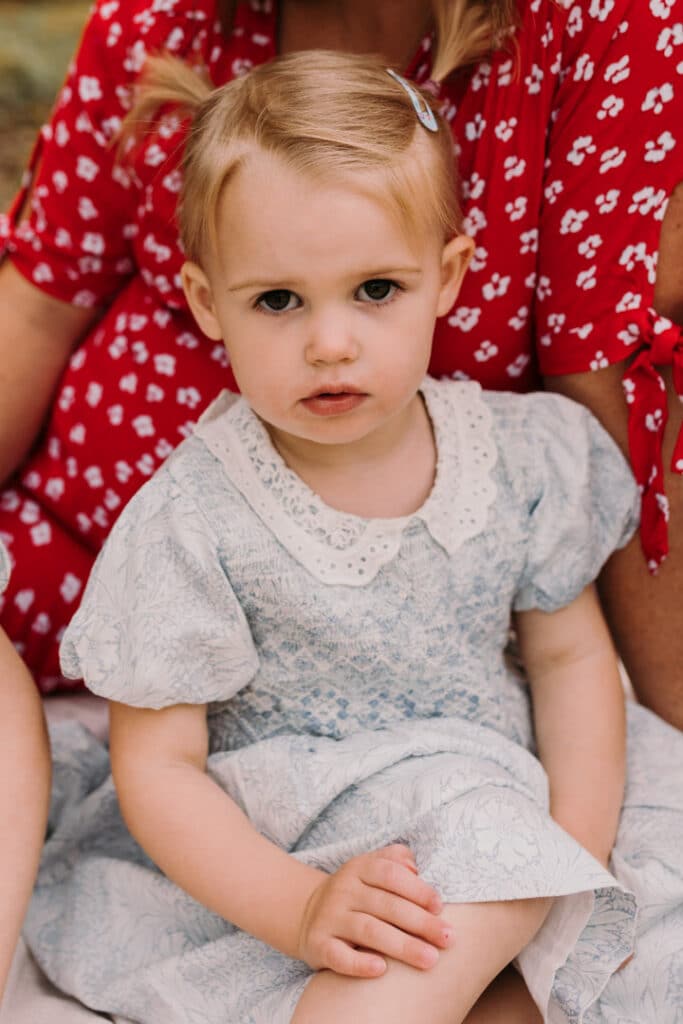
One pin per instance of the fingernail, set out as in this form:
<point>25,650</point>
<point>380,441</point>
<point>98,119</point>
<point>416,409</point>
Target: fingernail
<point>377,965</point>
<point>430,956</point>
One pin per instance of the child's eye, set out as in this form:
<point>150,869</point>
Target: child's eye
<point>379,289</point>
<point>279,300</point>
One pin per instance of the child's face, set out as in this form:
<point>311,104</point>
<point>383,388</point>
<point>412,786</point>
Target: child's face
<point>326,308</point>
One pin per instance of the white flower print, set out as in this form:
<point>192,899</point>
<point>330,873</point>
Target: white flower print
<point>219,355</point>
<point>42,273</point>
<point>611,106</point>
<point>619,71</point>
<point>589,246</point>
<point>656,150</point>
<point>118,346</point>
<point>629,336</point>
<point>543,288</point>
<point>505,129</point>
<point>629,390</point>
<point>143,426</point>
<point>87,209</point>
<point>175,39</point>
<point>89,88</point>
<point>670,38</point>
<point>498,285</point>
<point>85,299</point>
<point>188,396</point>
<point>30,513</point>
<point>41,535</point>
<point>83,522</point>
<point>475,221</point>
<point>114,34</point>
<point>155,155</point>
<point>583,332</point>
<point>611,158</point>
<point>599,361</point>
<point>574,21</point>
<point>145,465</point>
<point>187,340</point>
<point>647,200</point>
<point>129,383</point>
<point>480,78</point>
<point>89,265</point>
<point>241,66</point>
<point>529,241</point>
<point>581,148</point>
<point>62,134</point>
<point>108,9</point>
<point>586,279</point>
<point>573,221</point>
<point>514,167</point>
<point>662,8</point>
<point>606,202</point>
<point>93,243</point>
<point>628,301</point>
<point>654,421</point>
<point>517,208</point>
<point>70,587</point>
<point>137,55</point>
<point>486,351</point>
<point>111,499</point>
<point>164,364</point>
<point>519,320</point>
<point>585,67</point>
<point>86,168</point>
<point>61,183</point>
<point>24,599</point>
<point>123,472</point>
<point>479,259</point>
<point>533,80</point>
<point>516,368</point>
<point>601,9</point>
<point>474,129</point>
<point>93,477</point>
<point>657,97</point>
<point>55,487</point>
<point>632,255</point>
<point>552,190</point>
<point>473,188</point>
<point>154,393</point>
<point>173,181</point>
<point>93,394</point>
<point>140,352</point>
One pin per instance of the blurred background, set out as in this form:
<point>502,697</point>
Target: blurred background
<point>37,39</point>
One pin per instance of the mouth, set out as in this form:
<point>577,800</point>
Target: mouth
<point>334,399</point>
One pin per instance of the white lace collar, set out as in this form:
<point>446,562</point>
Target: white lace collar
<point>338,547</point>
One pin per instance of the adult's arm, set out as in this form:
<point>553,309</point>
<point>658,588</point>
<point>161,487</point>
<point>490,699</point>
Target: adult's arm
<point>24,795</point>
<point>37,335</point>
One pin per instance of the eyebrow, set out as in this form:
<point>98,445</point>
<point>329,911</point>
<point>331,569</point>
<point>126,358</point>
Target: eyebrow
<point>284,285</point>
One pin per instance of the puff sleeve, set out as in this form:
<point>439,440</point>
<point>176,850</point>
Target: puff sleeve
<point>159,623</point>
<point>4,567</point>
<point>582,502</point>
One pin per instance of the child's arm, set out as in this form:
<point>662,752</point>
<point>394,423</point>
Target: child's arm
<point>578,706</point>
<point>204,842</point>
<point>24,795</point>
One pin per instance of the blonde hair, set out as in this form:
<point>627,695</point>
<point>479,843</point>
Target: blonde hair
<point>466,30</point>
<point>336,117</point>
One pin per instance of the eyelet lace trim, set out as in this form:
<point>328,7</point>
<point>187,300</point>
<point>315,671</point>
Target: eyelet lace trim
<point>341,548</point>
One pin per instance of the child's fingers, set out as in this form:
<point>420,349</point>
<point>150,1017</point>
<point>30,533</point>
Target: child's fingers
<point>342,958</point>
<point>406,916</point>
<point>372,933</point>
<point>383,873</point>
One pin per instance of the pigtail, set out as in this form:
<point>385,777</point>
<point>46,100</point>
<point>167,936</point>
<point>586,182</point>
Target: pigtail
<point>469,30</point>
<point>164,80</point>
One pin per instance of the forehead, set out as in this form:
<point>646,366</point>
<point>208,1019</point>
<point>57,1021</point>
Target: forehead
<point>272,212</point>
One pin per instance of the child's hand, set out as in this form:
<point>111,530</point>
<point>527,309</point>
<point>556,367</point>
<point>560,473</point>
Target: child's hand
<point>374,904</point>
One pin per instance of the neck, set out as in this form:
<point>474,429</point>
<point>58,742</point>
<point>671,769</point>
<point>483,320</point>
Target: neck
<point>392,28</point>
<point>368,477</point>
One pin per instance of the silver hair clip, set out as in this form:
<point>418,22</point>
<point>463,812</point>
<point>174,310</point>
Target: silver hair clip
<point>424,112</point>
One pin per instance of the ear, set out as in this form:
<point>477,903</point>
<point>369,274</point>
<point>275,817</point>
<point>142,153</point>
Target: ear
<point>454,260</point>
<point>200,299</point>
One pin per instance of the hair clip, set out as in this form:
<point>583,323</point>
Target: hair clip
<point>424,112</point>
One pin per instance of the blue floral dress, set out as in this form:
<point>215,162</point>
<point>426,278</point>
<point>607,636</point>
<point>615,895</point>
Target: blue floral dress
<point>358,694</point>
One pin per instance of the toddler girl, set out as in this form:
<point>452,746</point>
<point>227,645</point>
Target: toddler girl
<point>301,620</point>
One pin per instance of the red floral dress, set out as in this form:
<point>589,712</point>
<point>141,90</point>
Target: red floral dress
<point>567,150</point>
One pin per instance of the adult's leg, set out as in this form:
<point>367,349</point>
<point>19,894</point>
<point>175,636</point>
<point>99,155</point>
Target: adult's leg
<point>488,936</point>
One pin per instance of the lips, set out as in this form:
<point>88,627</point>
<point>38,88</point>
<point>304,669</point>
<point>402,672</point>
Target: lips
<point>334,400</point>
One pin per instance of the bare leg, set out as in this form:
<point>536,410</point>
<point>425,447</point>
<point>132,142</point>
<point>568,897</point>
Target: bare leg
<point>488,936</point>
<point>505,1001</point>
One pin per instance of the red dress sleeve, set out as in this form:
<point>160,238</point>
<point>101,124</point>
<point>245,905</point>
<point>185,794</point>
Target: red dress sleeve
<point>614,156</point>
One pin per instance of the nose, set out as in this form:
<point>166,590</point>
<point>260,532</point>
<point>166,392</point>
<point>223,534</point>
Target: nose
<point>331,339</point>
